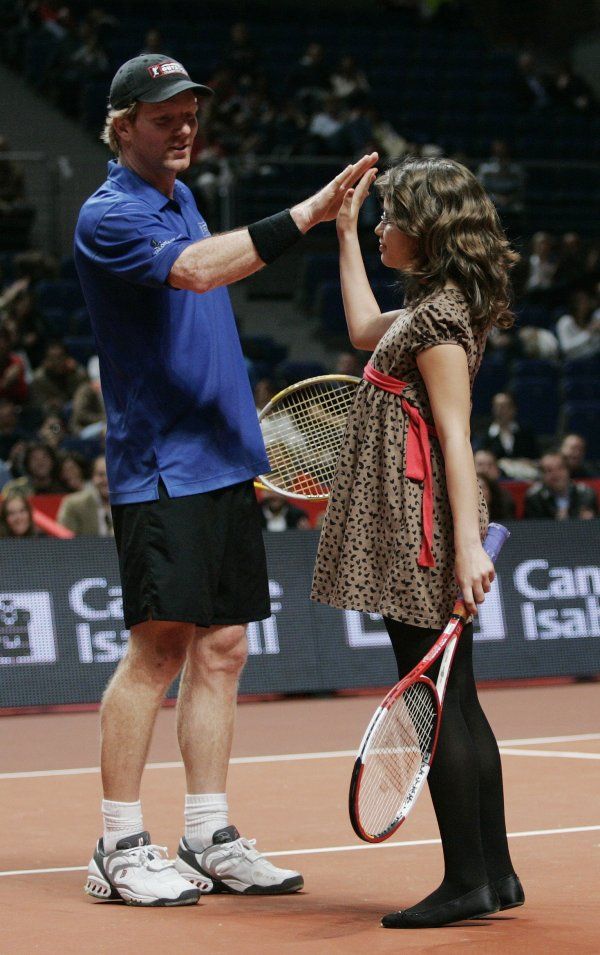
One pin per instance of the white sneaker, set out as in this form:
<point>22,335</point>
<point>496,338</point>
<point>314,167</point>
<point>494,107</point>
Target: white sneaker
<point>139,873</point>
<point>234,865</point>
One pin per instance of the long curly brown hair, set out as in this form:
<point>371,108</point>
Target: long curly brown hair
<point>441,204</point>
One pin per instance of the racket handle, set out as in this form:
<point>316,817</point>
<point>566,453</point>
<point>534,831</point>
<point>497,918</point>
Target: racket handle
<point>496,537</point>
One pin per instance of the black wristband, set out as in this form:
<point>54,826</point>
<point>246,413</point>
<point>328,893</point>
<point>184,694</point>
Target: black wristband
<point>273,236</point>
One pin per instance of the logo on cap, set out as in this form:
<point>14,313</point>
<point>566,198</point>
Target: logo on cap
<point>164,69</point>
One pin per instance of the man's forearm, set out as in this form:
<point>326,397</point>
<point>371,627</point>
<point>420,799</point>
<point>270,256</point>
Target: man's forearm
<point>217,261</point>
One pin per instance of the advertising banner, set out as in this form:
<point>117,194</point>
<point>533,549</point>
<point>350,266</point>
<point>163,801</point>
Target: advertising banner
<point>62,632</point>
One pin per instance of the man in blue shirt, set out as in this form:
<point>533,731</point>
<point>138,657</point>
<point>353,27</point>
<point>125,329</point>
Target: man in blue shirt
<point>183,445</point>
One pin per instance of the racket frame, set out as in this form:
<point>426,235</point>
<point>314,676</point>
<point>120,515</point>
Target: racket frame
<point>262,481</point>
<point>447,644</point>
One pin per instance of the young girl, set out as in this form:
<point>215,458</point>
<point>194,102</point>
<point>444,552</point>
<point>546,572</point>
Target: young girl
<point>406,517</point>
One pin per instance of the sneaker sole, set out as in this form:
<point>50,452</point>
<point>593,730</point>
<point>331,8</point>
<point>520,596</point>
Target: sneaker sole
<point>101,890</point>
<point>105,893</point>
<point>221,886</point>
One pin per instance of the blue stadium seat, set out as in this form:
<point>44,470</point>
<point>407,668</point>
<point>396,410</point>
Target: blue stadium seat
<point>67,269</point>
<point>537,315</point>
<point>538,403</point>
<point>263,348</point>
<point>57,322</point>
<point>330,309</point>
<point>293,371</point>
<point>534,368</point>
<point>491,378</point>
<point>62,293</point>
<point>582,417</point>
<point>583,367</point>
<point>81,347</point>
<point>80,322</point>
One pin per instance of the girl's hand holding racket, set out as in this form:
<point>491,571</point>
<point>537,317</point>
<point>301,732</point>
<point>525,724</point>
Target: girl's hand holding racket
<point>398,747</point>
<point>474,572</point>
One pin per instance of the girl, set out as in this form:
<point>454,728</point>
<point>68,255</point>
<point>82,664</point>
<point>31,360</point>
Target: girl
<point>406,517</point>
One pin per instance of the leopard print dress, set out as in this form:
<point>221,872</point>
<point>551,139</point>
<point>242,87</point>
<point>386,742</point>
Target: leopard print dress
<point>371,535</point>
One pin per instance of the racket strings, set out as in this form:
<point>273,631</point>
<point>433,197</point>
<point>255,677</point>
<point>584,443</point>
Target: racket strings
<point>303,434</point>
<point>399,745</point>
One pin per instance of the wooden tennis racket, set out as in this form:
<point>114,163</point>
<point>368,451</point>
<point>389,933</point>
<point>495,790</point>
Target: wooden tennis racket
<point>399,745</point>
<point>303,429</point>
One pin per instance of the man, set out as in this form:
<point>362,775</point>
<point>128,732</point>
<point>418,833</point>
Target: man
<point>514,446</point>
<point>57,379</point>
<point>557,497</point>
<point>87,513</point>
<point>183,445</point>
<point>486,466</point>
<point>277,514</point>
<point>573,450</point>
<point>13,385</point>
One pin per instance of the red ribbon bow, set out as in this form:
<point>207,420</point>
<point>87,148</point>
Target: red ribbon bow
<point>418,456</point>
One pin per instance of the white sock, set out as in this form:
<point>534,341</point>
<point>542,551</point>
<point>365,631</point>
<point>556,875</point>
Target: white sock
<point>204,813</point>
<point>120,819</point>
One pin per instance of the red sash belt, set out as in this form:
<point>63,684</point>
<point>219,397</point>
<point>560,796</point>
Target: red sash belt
<point>418,456</point>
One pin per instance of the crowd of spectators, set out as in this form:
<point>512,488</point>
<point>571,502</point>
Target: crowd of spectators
<point>52,421</point>
<point>52,417</point>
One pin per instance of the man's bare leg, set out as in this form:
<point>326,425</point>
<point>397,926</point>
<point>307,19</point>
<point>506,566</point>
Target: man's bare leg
<point>155,655</point>
<point>207,703</point>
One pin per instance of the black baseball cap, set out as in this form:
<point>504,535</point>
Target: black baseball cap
<point>150,78</point>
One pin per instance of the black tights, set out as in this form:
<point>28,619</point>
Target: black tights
<point>465,780</point>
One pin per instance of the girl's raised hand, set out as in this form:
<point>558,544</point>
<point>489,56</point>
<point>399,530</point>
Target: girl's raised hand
<point>347,217</point>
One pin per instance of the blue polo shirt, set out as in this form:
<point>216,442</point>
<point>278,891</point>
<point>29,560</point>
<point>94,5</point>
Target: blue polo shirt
<point>178,401</point>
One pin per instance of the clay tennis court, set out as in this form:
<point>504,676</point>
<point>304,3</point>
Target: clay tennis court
<point>288,788</point>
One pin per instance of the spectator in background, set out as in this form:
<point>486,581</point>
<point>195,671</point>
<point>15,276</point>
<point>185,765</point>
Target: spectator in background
<point>73,471</point>
<point>57,379</point>
<point>556,496</point>
<point>541,266</point>
<point>153,42</point>
<point>88,405</point>
<point>486,467</point>
<point>52,431</point>
<point>347,79</point>
<point>350,363</point>
<point>388,142</point>
<point>309,80</point>
<point>10,433</point>
<point>13,385</point>
<point>503,179</point>
<point>578,331</point>
<point>515,446</point>
<point>241,56</point>
<point>40,466</point>
<point>573,450</point>
<point>16,518</point>
<point>87,512</point>
<point>325,127</point>
<point>530,85</point>
<point>537,342</point>
<point>277,514</point>
<point>495,499</point>
<point>571,92</point>
<point>570,268</point>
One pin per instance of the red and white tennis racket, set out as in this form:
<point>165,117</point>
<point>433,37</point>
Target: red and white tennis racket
<point>398,747</point>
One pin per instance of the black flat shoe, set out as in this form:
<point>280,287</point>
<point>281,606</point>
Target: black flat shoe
<point>509,891</point>
<point>473,905</point>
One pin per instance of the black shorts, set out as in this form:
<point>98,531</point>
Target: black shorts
<point>196,559</point>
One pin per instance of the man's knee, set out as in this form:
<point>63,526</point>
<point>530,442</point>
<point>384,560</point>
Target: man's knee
<point>157,649</point>
<point>221,650</point>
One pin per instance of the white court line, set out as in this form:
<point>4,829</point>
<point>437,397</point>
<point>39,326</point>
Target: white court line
<point>292,757</point>
<point>323,849</point>
<point>549,753</point>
